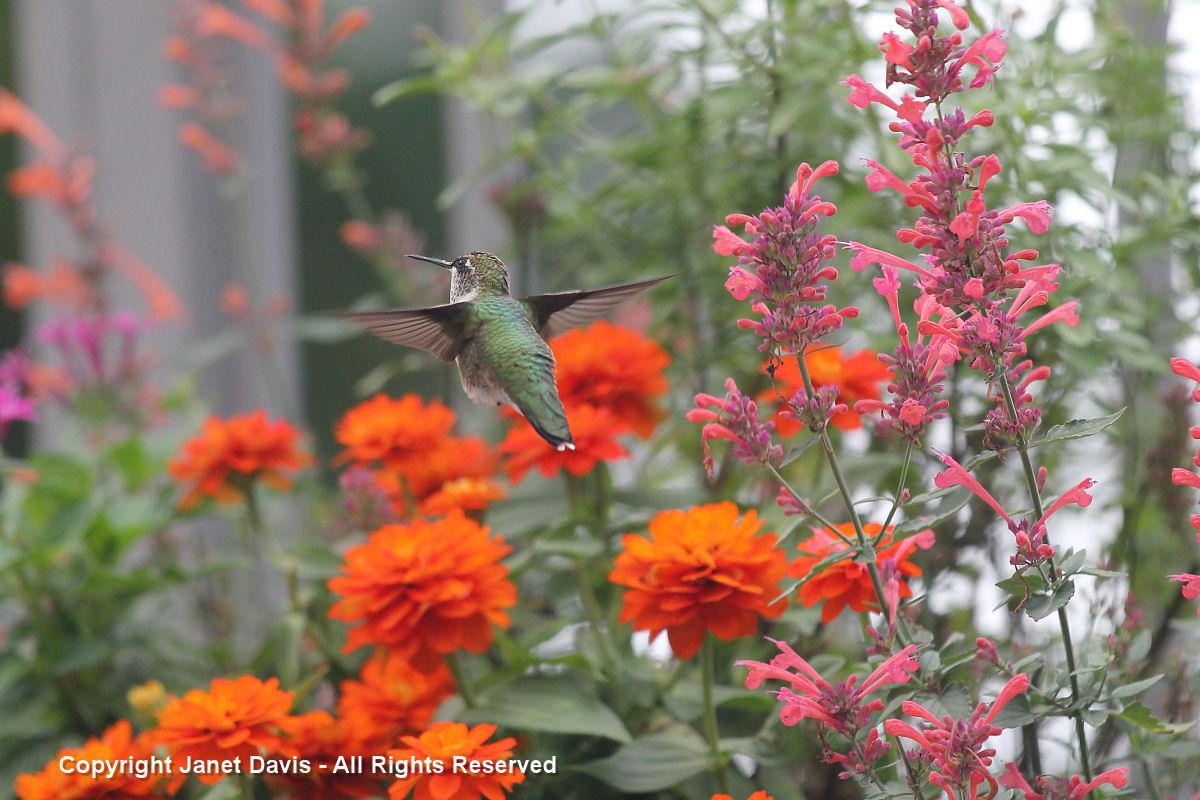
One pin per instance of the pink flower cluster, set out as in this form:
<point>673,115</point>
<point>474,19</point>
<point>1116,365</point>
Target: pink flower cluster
<point>845,708</point>
<point>735,419</point>
<point>1187,477</point>
<point>955,749</point>
<point>1073,788</point>
<point>975,293</point>
<point>782,271</point>
<point>1032,547</point>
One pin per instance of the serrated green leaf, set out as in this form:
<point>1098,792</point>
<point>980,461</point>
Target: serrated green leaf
<point>1041,606</point>
<point>550,704</point>
<point>1078,428</point>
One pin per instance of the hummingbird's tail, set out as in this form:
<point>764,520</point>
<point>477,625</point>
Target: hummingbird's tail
<point>560,443</point>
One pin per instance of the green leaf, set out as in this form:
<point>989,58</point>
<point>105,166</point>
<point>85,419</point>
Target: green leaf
<point>1137,714</point>
<point>1016,713</point>
<point>1041,606</point>
<point>1135,688</point>
<point>652,763</point>
<point>1072,562</point>
<point>798,450</point>
<point>550,704</point>
<point>1078,428</point>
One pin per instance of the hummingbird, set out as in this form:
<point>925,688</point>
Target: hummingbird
<point>499,341</point>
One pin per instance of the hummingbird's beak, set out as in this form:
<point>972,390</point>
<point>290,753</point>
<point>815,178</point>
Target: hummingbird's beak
<point>441,263</point>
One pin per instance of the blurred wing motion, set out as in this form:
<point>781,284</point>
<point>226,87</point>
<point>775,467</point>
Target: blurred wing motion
<point>437,329</point>
<point>558,312</point>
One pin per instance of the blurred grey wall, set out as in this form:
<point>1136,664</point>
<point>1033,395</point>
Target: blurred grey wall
<point>92,69</point>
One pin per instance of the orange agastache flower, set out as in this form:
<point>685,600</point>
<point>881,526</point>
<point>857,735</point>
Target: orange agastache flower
<point>218,157</point>
<point>115,744</point>
<point>704,569</point>
<point>614,368</point>
<point>595,431</point>
<point>235,719</point>
<point>229,454</point>
<point>847,582</point>
<point>15,117</point>
<point>442,743</point>
<point>392,698</point>
<point>22,285</point>
<point>425,588</point>
<point>320,739</point>
<point>465,494</point>
<point>398,433</point>
<point>860,376</point>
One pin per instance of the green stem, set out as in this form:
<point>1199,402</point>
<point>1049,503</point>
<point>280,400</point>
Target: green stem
<point>246,786</point>
<point>1064,623</point>
<point>865,548</point>
<point>707,667</point>
<point>899,488</point>
<point>824,520</point>
<point>460,680</point>
<point>595,616</point>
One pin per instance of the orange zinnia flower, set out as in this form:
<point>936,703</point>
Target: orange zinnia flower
<point>467,494</point>
<point>391,699</point>
<point>847,582</point>
<point>595,431</point>
<point>229,454</point>
<point>759,795</point>
<point>235,719</point>
<point>442,743</point>
<point>425,588</point>
<point>859,377</point>
<point>116,744</point>
<point>399,433</point>
<point>320,739</point>
<point>701,570</point>
<point>614,368</point>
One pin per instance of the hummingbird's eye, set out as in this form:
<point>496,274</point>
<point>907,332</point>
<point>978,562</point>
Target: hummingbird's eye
<point>461,263</point>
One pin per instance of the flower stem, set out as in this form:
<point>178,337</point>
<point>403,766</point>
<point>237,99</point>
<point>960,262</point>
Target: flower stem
<point>460,680</point>
<point>899,488</point>
<point>246,786</point>
<point>866,549</point>
<point>595,617</point>
<point>707,667</point>
<point>1064,623</point>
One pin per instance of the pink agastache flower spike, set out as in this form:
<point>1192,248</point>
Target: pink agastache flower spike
<point>735,419</point>
<point>918,369</point>
<point>783,270</point>
<point>965,267</point>
<point>1032,548</point>
<point>1051,788</point>
<point>1186,477</point>
<point>845,708</point>
<point>955,749</point>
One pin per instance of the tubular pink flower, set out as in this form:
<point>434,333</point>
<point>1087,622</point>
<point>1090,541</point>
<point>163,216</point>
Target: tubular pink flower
<point>866,256</point>
<point>862,94</point>
<point>1185,369</point>
<point>1036,215</point>
<point>1065,314</point>
<point>957,475</point>
<point>958,15</point>
<point>728,243</point>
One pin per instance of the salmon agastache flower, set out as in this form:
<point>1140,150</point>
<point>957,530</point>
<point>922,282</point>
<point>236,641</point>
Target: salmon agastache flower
<point>956,749</point>
<point>735,419</point>
<point>783,271</point>
<point>966,270</point>
<point>1052,788</point>
<point>844,708</point>
<point>917,368</point>
<point>1032,547</point>
<point>1180,476</point>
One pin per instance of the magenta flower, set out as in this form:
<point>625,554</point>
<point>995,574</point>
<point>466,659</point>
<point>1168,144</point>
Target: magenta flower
<point>966,270</point>
<point>845,708</point>
<point>1032,547</point>
<point>1191,586</point>
<point>735,419</point>
<point>957,749</point>
<point>1051,788</point>
<point>782,271</point>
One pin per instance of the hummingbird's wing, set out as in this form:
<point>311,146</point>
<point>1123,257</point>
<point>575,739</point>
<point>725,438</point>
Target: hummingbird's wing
<point>436,329</point>
<point>558,312</point>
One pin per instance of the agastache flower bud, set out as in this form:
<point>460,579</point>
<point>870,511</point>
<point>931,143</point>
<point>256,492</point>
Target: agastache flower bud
<point>735,419</point>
